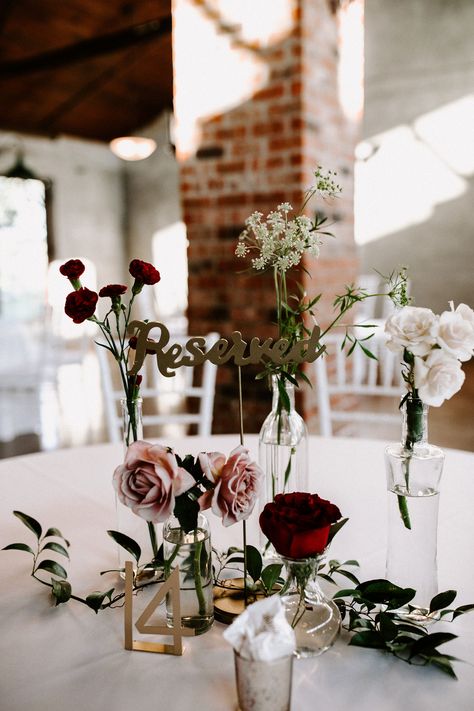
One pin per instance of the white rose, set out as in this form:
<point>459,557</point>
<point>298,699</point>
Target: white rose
<point>466,312</point>
<point>456,332</point>
<point>438,377</point>
<point>413,328</point>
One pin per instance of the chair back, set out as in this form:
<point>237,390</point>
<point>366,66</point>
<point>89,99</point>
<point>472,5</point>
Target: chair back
<point>167,401</point>
<point>338,374</point>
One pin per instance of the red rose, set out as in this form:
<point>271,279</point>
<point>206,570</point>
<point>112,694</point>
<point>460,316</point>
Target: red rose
<point>113,290</point>
<point>298,524</point>
<point>72,269</point>
<point>144,272</point>
<point>81,304</point>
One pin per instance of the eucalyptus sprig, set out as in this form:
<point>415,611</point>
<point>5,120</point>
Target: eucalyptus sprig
<point>61,590</point>
<point>371,611</point>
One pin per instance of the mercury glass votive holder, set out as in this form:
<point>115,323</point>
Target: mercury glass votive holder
<point>262,685</point>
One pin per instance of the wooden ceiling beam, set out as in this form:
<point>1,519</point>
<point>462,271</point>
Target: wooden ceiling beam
<point>88,49</point>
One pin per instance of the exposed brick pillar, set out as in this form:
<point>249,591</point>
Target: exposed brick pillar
<point>257,106</point>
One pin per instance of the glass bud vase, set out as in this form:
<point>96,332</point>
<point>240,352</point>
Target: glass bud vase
<point>283,446</point>
<point>414,470</point>
<point>315,619</point>
<point>127,522</point>
<point>193,553</point>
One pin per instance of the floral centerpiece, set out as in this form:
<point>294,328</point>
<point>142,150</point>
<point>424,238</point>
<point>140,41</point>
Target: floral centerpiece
<point>300,526</point>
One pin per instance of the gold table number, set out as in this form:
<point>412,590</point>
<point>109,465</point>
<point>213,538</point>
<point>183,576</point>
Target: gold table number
<point>171,586</point>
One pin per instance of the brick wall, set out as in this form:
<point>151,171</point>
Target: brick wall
<point>280,117</point>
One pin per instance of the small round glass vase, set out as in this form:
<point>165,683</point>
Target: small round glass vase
<point>315,619</point>
<point>193,553</point>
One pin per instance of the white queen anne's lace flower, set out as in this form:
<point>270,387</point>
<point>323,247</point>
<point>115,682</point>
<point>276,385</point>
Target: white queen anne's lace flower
<point>278,241</point>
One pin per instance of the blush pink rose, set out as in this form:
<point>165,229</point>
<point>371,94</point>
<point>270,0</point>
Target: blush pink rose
<point>149,480</point>
<point>237,484</point>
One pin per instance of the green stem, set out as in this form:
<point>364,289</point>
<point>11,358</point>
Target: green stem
<point>154,543</point>
<point>197,575</point>
<point>168,563</point>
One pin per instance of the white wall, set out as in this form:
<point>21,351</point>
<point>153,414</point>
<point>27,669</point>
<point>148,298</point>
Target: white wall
<point>88,197</point>
<point>153,199</point>
<point>415,179</point>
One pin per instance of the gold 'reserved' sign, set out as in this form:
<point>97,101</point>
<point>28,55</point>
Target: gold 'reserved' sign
<point>170,357</point>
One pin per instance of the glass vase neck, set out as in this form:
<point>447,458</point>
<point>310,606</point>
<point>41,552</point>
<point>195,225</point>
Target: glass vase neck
<point>290,391</point>
<point>415,423</point>
<point>132,421</point>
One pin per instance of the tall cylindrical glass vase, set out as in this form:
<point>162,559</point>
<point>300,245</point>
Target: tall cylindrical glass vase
<point>414,468</point>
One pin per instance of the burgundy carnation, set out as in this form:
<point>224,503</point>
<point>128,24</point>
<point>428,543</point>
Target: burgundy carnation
<point>298,524</point>
<point>133,340</point>
<point>72,269</point>
<point>144,272</point>
<point>80,305</point>
<point>113,290</point>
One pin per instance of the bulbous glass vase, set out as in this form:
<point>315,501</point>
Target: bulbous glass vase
<point>315,619</point>
<point>283,445</point>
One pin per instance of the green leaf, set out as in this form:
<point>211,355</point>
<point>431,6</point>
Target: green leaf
<point>254,562</point>
<point>369,639</point>
<point>349,575</point>
<point>186,511</point>
<point>443,599</point>
<point>335,527</point>
<point>270,575</point>
<point>57,547</point>
<point>284,398</point>
<point>461,610</point>
<point>126,542</point>
<point>52,567</point>
<point>368,353</point>
<point>349,592</point>
<point>61,591</point>
<point>54,532</point>
<point>427,644</point>
<point>96,599</point>
<point>444,664</point>
<point>235,559</point>
<point>20,547</point>
<point>351,562</point>
<point>388,628</point>
<point>29,522</point>
<point>386,593</point>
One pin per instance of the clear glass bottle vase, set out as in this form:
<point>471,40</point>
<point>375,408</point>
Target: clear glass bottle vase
<point>316,619</point>
<point>193,553</point>
<point>414,468</point>
<point>283,446</point>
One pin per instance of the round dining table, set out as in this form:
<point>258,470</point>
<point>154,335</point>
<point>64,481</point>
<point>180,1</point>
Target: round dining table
<point>68,657</point>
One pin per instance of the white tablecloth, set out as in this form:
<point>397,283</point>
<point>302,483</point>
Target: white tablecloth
<point>69,658</point>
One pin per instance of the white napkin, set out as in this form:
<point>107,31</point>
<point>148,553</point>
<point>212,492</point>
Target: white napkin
<point>262,631</point>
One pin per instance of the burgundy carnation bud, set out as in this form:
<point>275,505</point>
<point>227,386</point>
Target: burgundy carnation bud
<point>144,273</point>
<point>113,290</point>
<point>73,270</point>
